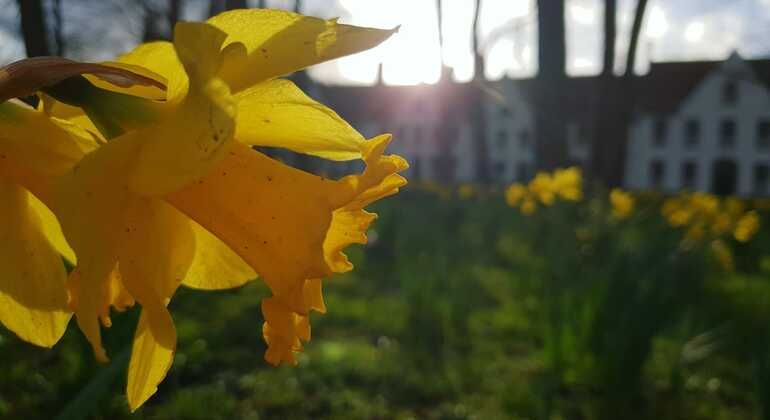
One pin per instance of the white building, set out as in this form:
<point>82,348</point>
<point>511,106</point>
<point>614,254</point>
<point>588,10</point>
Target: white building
<point>697,125</point>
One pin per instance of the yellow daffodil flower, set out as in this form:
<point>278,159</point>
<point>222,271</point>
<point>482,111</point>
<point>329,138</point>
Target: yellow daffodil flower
<point>746,227</point>
<point>723,255</point>
<point>466,191</point>
<point>178,196</point>
<point>622,204</point>
<point>706,216</point>
<point>528,207</point>
<point>515,194</point>
<point>542,187</point>
<point>568,183</point>
<point>34,149</point>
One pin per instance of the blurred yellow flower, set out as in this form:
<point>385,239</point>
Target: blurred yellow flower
<point>568,183</point>
<point>545,188</point>
<point>542,187</point>
<point>705,215</point>
<point>622,204</point>
<point>514,194</point>
<point>529,206</point>
<point>746,227</point>
<point>466,191</point>
<point>723,255</point>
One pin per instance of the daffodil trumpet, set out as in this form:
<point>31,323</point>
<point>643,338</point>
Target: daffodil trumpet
<point>177,196</point>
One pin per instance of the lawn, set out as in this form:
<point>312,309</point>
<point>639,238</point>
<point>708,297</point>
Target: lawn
<point>461,307</point>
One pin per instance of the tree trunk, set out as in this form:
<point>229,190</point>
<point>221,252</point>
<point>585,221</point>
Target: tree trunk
<point>33,28</point>
<point>636,28</point>
<point>605,113</point>
<point>446,130</point>
<point>550,126</point>
<point>477,105</point>
<point>216,7</point>
<point>174,7</point>
<point>610,25</point>
<point>235,4</point>
<point>615,113</point>
<point>58,32</point>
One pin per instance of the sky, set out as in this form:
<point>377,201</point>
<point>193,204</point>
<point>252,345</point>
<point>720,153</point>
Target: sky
<point>673,30</point>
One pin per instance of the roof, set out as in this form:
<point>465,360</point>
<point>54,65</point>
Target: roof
<point>660,91</point>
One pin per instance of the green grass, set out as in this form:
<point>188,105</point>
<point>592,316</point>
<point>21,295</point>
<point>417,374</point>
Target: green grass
<point>459,309</point>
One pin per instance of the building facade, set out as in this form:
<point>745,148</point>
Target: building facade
<point>701,126</point>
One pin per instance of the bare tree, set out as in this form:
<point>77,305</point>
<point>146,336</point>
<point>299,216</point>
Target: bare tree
<point>174,7</point>
<point>58,28</point>
<point>610,31</point>
<point>477,103</point>
<point>446,131</point>
<point>33,27</point>
<point>636,29</point>
<point>550,126</point>
<point>235,4</point>
<point>216,7</point>
<point>616,104</point>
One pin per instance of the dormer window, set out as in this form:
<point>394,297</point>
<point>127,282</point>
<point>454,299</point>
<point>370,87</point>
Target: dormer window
<point>729,93</point>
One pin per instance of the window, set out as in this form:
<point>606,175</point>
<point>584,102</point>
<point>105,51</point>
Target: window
<point>729,93</point>
<point>724,177</point>
<point>524,139</point>
<point>522,172</point>
<point>763,134</point>
<point>691,133</point>
<point>502,139</point>
<point>727,133</point>
<point>660,129</point>
<point>689,175</point>
<point>583,134</point>
<point>500,170</point>
<point>657,172</point>
<point>761,178</point>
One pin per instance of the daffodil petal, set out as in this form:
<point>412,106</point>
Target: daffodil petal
<point>47,146</point>
<point>90,203</point>
<point>150,362</point>
<point>277,218</point>
<point>215,266</point>
<point>50,226</point>
<point>161,59</point>
<point>268,115</point>
<point>194,135</point>
<point>263,44</point>
<point>157,247</point>
<point>290,226</point>
<point>33,296</point>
